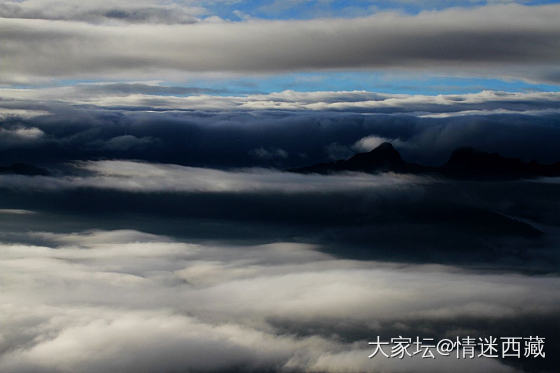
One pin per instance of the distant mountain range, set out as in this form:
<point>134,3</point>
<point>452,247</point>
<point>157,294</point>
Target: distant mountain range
<point>466,162</point>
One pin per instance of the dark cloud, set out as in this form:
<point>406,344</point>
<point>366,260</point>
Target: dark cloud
<point>267,138</point>
<point>507,224</point>
<point>498,225</point>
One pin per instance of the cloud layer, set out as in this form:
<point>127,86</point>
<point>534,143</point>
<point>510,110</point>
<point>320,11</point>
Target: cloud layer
<point>171,124</point>
<point>79,302</point>
<point>511,40</point>
<point>136,96</point>
<point>142,177</point>
<point>102,11</point>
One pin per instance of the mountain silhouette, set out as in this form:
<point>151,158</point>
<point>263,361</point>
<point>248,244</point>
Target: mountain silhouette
<point>472,163</point>
<point>464,162</point>
<point>384,158</point>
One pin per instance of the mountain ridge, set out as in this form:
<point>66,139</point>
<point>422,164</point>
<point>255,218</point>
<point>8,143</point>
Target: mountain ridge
<point>464,162</point>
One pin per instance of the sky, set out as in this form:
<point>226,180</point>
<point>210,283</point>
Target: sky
<point>152,212</point>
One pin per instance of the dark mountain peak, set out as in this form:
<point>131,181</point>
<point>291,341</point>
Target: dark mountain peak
<point>381,159</point>
<point>386,147</point>
<point>386,151</point>
<point>466,155</point>
<point>464,163</point>
<point>469,162</point>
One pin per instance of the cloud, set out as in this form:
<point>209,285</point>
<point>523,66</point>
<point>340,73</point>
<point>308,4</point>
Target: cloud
<point>21,133</point>
<point>126,142</point>
<point>510,40</point>
<point>384,217</point>
<point>144,177</point>
<point>6,113</point>
<point>16,211</point>
<point>103,11</point>
<point>368,143</point>
<point>263,153</point>
<point>336,151</point>
<point>156,97</point>
<point>79,301</point>
<point>125,89</point>
<point>226,131</point>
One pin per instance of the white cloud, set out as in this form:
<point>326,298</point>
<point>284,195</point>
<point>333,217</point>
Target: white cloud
<point>368,143</point>
<point>16,211</point>
<point>127,301</point>
<point>22,133</point>
<point>484,102</point>
<point>148,177</point>
<point>6,113</point>
<point>508,40</point>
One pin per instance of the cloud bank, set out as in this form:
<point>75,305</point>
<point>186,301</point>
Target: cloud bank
<point>78,302</point>
<point>511,40</point>
<point>105,12</point>
<point>168,124</point>
<point>135,96</point>
<point>143,177</point>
